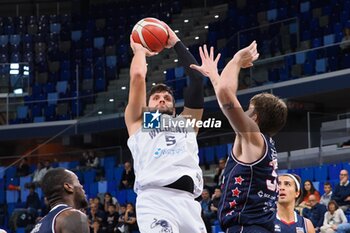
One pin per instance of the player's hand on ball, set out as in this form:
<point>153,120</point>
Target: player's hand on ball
<point>246,56</point>
<point>138,47</point>
<point>173,38</point>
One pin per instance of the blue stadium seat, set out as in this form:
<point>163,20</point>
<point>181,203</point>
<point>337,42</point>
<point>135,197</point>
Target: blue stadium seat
<point>334,171</point>
<point>52,98</point>
<point>221,151</point>
<point>2,172</point>
<point>24,193</point>
<point>131,196</point>
<point>345,61</point>
<point>39,119</point>
<point>293,28</point>
<point>22,112</point>
<point>61,86</point>
<point>321,65</point>
<point>308,68</point>
<point>12,196</point>
<point>80,175</point>
<point>296,171</point>
<point>304,6</point>
<point>89,176</point>
<point>109,162</point>
<point>170,75</point>
<point>272,15</point>
<point>15,39</point>
<point>4,39</point>
<point>122,196</point>
<point>118,171</point>
<point>55,28</point>
<point>112,186</point>
<point>102,186</point>
<point>111,61</point>
<point>328,39</point>
<point>307,174</point>
<point>63,164</point>
<point>209,153</point>
<point>20,230</point>
<point>93,189</point>
<point>321,173</point>
<point>179,72</point>
<point>346,166</point>
<point>99,42</point>
<point>100,84</point>
<point>316,43</point>
<point>73,164</point>
<point>300,58</point>
<point>2,192</point>
<point>201,156</point>
<point>76,35</point>
<point>109,173</point>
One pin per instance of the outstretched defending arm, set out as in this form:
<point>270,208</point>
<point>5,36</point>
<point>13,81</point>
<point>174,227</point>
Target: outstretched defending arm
<point>194,94</point>
<point>137,92</point>
<point>226,85</point>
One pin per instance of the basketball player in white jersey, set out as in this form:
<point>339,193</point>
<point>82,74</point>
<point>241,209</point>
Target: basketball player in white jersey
<point>168,177</point>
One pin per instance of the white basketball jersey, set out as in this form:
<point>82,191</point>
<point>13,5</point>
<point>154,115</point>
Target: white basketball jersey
<point>162,156</point>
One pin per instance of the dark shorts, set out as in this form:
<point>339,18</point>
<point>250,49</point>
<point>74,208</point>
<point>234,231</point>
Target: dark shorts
<point>248,229</point>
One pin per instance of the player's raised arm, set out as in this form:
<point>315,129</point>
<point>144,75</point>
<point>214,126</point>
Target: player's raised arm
<point>194,94</point>
<point>240,121</point>
<point>137,92</point>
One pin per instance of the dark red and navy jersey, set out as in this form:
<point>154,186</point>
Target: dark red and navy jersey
<point>250,190</point>
<point>47,223</point>
<point>298,226</point>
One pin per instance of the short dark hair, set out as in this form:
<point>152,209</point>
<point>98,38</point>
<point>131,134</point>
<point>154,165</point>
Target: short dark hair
<point>271,112</point>
<point>52,184</point>
<point>158,88</point>
<point>327,183</point>
<point>334,203</point>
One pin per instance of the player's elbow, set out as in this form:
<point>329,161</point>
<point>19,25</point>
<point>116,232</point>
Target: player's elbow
<point>224,92</point>
<point>137,73</point>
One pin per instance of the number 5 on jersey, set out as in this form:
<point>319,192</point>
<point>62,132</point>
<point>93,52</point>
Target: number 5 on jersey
<point>170,140</point>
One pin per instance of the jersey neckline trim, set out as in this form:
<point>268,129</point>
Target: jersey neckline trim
<point>253,163</point>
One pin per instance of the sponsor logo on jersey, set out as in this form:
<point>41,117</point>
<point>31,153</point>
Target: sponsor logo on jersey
<point>277,228</point>
<point>36,228</point>
<point>164,225</point>
<point>162,152</point>
<point>300,230</point>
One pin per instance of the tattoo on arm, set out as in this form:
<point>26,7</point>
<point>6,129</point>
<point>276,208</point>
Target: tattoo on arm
<point>228,106</point>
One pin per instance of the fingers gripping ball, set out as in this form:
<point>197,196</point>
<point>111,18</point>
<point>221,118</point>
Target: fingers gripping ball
<point>151,33</point>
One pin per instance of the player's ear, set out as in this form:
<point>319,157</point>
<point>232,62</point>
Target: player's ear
<point>68,187</point>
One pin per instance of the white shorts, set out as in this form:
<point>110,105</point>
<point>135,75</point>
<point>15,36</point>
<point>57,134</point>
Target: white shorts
<point>166,210</point>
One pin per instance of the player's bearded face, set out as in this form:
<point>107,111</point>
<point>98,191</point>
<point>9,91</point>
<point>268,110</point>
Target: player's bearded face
<point>80,198</point>
<point>163,102</point>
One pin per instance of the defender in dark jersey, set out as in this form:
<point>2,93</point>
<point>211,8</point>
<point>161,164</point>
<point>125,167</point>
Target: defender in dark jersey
<point>66,197</point>
<point>249,182</point>
<point>287,220</point>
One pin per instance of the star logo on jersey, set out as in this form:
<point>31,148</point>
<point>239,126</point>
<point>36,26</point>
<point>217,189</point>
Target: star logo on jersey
<point>230,213</point>
<point>239,180</point>
<point>236,192</point>
<point>151,120</point>
<point>233,204</point>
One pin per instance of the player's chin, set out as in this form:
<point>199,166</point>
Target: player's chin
<point>166,110</point>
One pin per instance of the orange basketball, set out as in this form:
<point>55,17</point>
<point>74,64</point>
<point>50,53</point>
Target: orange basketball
<point>151,33</point>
